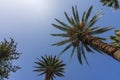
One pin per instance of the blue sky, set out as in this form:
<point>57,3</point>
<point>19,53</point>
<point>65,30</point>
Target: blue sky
<point>29,23</point>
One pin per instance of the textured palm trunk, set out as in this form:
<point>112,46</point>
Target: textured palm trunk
<point>47,77</point>
<point>104,47</point>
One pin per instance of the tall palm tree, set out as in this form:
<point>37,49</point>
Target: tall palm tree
<point>81,35</point>
<point>51,66</point>
<point>116,39</point>
<point>8,53</point>
<point>111,3</point>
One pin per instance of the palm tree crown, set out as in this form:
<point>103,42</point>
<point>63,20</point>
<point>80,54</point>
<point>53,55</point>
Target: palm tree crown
<point>111,3</point>
<point>77,29</point>
<point>51,66</point>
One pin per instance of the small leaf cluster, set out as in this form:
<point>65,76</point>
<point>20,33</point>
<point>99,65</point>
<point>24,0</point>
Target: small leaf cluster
<point>116,39</point>
<point>111,3</point>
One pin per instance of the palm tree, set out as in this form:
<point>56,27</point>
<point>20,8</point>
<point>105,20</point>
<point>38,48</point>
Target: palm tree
<point>116,39</point>
<point>81,35</point>
<point>51,66</point>
<point>111,3</point>
<point>8,53</point>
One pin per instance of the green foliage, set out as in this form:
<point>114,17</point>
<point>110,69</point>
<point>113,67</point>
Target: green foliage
<point>75,31</point>
<point>8,53</point>
<point>51,66</point>
<point>111,3</point>
<point>116,39</point>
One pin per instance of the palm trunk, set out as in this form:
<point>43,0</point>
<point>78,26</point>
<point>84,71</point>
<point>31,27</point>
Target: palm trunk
<point>47,77</point>
<point>104,47</point>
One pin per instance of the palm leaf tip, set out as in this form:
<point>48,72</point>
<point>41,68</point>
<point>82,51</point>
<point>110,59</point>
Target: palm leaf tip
<point>60,27</point>
<point>75,14</point>
<point>88,13</point>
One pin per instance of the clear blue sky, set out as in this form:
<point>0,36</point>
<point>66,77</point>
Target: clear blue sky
<point>29,23</point>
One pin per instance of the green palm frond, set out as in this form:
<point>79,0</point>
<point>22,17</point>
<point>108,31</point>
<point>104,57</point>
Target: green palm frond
<point>75,14</point>
<point>51,66</point>
<point>101,30</point>
<point>88,49</point>
<point>83,52</point>
<point>60,27</point>
<point>62,35</point>
<point>79,54</point>
<point>116,39</point>
<point>88,14</point>
<point>94,19</point>
<point>70,20</point>
<point>72,53</point>
<point>111,3</point>
<point>62,42</point>
<point>66,48</point>
<point>63,24</point>
<point>76,31</point>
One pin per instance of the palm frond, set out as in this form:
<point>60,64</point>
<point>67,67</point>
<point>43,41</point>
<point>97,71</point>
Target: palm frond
<point>83,16</point>
<point>45,59</point>
<point>75,14</point>
<point>66,48</point>
<point>60,27</point>
<point>79,55</point>
<point>83,53</point>
<point>61,35</point>
<point>69,19</point>
<point>63,24</point>
<point>88,49</point>
<point>62,42</point>
<point>94,19</point>
<point>93,28</point>
<point>88,14</point>
<point>102,30</point>
<point>73,50</point>
<point>100,38</point>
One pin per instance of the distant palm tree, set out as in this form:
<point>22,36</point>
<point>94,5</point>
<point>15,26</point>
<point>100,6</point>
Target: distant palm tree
<point>81,35</point>
<point>116,39</point>
<point>8,53</point>
<point>51,66</point>
<point>111,3</point>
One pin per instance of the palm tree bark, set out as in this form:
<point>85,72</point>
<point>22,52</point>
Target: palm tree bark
<point>104,47</point>
<point>47,76</point>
